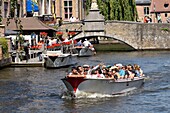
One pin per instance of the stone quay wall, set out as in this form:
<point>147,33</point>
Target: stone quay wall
<point>4,61</point>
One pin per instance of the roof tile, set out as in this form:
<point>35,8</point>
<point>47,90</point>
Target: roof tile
<point>30,23</point>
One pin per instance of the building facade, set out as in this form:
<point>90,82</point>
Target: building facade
<point>7,9</point>
<point>160,9</point>
<point>71,8</point>
<point>64,9</point>
<point>143,9</point>
<point>157,10</point>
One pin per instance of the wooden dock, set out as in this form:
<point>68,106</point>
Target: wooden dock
<point>33,62</point>
<point>27,64</point>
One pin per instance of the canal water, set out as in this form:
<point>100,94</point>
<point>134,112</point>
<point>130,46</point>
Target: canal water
<point>40,90</point>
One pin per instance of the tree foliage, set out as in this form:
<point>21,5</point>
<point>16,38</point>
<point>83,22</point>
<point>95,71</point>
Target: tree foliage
<point>14,6</point>
<point>118,9</point>
<point>88,6</point>
<point>4,44</point>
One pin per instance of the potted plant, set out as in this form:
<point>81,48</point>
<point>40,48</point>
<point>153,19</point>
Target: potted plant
<point>59,34</point>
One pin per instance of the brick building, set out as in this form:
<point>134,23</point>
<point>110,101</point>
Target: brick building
<point>70,8</point>
<point>160,8</point>
<point>143,9</point>
<point>5,8</point>
<point>154,9</point>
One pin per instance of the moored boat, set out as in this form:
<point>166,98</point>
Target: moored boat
<point>59,58</point>
<point>83,51</point>
<point>101,85</point>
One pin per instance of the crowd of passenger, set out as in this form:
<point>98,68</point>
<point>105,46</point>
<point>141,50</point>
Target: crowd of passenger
<point>117,71</point>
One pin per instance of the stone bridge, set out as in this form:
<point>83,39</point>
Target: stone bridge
<point>140,36</point>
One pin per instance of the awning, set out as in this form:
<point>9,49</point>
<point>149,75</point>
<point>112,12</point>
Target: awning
<point>32,6</point>
<point>10,32</point>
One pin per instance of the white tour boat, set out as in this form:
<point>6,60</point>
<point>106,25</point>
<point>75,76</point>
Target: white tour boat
<point>59,58</point>
<point>101,85</point>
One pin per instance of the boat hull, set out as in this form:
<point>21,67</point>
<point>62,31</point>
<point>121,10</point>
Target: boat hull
<point>83,52</point>
<point>60,61</point>
<point>102,86</point>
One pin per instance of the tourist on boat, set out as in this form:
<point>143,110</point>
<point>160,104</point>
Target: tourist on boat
<point>127,73</point>
<point>115,72</point>
<point>105,72</point>
<point>86,68</point>
<point>79,43</point>
<point>138,70</point>
<point>110,72</point>
<point>86,43</point>
<point>121,70</point>
<point>73,73</point>
<point>80,70</point>
<point>97,74</point>
<point>94,68</point>
<point>131,71</point>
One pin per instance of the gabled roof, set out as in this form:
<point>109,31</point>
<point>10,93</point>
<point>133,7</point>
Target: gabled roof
<point>160,6</point>
<point>30,23</point>
<point>143,2</point>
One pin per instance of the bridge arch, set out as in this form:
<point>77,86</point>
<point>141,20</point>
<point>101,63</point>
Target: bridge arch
<point>82,35</point>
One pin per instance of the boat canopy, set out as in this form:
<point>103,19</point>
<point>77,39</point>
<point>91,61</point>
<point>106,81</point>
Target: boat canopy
<point>32,6</point>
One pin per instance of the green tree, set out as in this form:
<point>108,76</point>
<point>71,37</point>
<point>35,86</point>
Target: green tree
<point>14,6</point>
<point>4,44</point>
<point>118,9</point>
<point>88,6</point>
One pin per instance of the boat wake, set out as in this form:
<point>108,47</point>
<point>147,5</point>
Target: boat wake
<point>81,95</point>
<point>156,89</point>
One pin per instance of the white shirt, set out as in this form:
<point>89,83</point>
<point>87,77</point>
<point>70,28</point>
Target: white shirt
<point>86,43</point>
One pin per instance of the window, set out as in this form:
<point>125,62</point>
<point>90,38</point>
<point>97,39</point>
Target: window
<point>5,9</point>
<point>166,5</point>
<point>65,3</point>
<point>70,3</point>
<point>67,9</point>
<point>166,15</point>
<point>146,10</point>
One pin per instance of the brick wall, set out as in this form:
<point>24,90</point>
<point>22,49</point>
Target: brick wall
<point>2,30</point>
<point>140,10</point>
